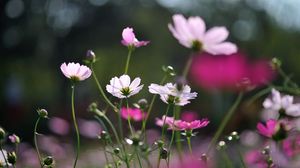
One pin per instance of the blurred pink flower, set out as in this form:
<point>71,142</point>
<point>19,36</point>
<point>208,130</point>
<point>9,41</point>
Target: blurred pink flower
<point>189,116</point>
<point>134,113</point>
<point>230,72</point>
<point>59,126</point>
<point>89,128</point>
<point>190,162</point>
<point>183,125</point>
<point>129,38</point>
<point>76,71</point>
<point>165,120</point>
<point>255,159</point>
<point>291,146</point>
<point>191,34</point>
<point>14,139</point>
<point>269,129</point>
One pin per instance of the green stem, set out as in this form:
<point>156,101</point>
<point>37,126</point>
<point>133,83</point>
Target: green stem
<point>129,118</point>
<point>5,159</point>
<point>227,159</point>
<point>287,78</point>
<point>259,94</point>
<point>163,126</point>
<point>187,66</point>
<point>225,121</point>
<point>101,90</point>
<point>106,158</point>
<point>172,138</point>
<point>178,134</point>
<point>75,126</point>
<point>190,145</point>
<point>35,140</point>
<point>138,157</point>
<point>241,158</point>
<point>150,109</point>
<point>120,123</point>
<point>128,60</point>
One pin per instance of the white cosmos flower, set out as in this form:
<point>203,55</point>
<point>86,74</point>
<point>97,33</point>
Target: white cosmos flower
<point>282,104</point>
<point>122,88</point>
<point>170,94</point>
<point>75,71</point>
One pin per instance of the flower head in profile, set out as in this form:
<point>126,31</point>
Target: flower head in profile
<point>184,125</point>
<point>165,120</point>
<point>75,71</point>
<point>130,40</point>
<point>172,94</point>
<point>277,130</point>
<point>132,113</point>
<point>192,33</point>
<point>123,87</point>
<point>283,105</point>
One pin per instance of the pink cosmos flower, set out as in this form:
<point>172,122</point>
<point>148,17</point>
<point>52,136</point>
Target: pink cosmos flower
<point>169,121</point>
<point>269,129</point>
<point>76,71</point>
<point>89,128</point>
<point>191,34</point>
<point>59,126</point>
<point>14,139</point>
<point>232,72</point>
<point>291,146</point>
<point>184,125</point>
<point>129,39</point>
<point>134,113</point>
<point>255,159</point>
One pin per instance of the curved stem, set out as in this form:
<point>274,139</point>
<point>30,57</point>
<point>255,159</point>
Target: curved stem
<point>225,121</point>
<point>101,90</point>
<point>75,126</point>
<point>128,60</point>
<point>35,140</point>
<point>5,157</point>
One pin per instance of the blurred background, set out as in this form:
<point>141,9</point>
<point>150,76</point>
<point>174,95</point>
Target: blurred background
<point>37,36</point>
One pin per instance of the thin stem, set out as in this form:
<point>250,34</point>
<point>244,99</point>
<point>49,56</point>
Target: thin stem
<point>128,60</point>
<point>120,119</point>
<point>241,158</point>
<point>138,157</point>
<point>259,94</point>
<point>187,66</point>
<point>227,159</point>
<point>178,134</point>
<point>287,78</point>
<point>150,108</point>
<point>129,117</point>
<point>106,158</point>
<point>101,90</point>
<point>172,138</point>
<point>5,159</point>
<point>225,121</point>
<point>35,140</point>
<point>190,145</point>
<point>75,126</point>
<point>163,126</point>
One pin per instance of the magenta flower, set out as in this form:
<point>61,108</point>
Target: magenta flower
<point>255,159</point>
<point>208,72</point>
<point>191,34</point>
<point>14,139</point>
<point>184,125</point>
<point>129,39</point>
<point>75,72</point>
<point>269,129</point>
<point>132,113</point>
<point>189,116</point>
<point>291,146</point>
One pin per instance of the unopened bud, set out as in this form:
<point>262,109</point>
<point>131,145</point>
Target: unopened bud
<point>42,113</point>
<point>204,157</point>
<point>164,153</point>
<point>48,160</point>
<point>2,133</point>
<point>14,139</point>
<point>104,136</point>
<point>235,135</point>
<point>12,158</point>
<point>90,57</point>
<point>169,70</point>
<point>141,104</point>
<point>117,151</point>
<point>276,63</point>
<point>221,145</point>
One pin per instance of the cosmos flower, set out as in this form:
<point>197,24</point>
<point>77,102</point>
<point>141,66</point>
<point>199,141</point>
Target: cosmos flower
<point>129,39</point>
<point>133,113</point>
<point>269,129</point>
<point>122,88</point>
<point>184,125</point>
<point>171,94</point>
<point>191,33</point>
<point>75,72</point>
<point>165,120</point>
<point>283,105</point>
<point>14,139</point>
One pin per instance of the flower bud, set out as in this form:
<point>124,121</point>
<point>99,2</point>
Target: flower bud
<point>14,139</point>
<point>104,136</point>
<point>2,134</point>
<point>235,135</point>
<point>116,151</point>
<point>276,63</point>
<point>92,107</point>
<point>108,166</point>
<point>90,56</point>
<point>164,153</point>
<point>169,70</point>
<point>12,158</point>
<point>141,104</point>
<point>204,157</point>
<point>48,161</point>
<point>42,113</point>
<point>221,145</point>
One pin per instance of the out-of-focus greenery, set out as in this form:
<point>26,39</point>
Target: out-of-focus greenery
<point>37,36</point>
